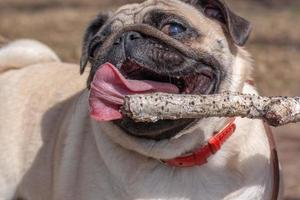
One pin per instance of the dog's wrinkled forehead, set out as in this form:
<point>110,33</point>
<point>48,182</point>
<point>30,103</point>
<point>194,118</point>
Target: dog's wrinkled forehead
<point>136,13</point>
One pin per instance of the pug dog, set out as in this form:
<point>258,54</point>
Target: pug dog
<point>60,141</point>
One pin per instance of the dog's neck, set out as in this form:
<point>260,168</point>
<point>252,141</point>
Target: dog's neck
<point>199,156</point>
<point>235,172</point>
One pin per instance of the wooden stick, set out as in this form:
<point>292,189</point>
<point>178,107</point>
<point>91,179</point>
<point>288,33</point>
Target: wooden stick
<point>276,111</point>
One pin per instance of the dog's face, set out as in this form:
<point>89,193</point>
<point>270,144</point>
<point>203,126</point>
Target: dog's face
<point>192,44</point>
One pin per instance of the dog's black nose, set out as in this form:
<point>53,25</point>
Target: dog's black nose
<point>128,38</point>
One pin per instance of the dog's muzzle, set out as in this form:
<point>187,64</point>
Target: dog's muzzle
<point>145,54</point>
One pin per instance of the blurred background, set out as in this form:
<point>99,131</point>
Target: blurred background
<point>275,46</point>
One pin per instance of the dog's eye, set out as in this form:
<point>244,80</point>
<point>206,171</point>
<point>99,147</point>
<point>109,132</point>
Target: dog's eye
<point>215,13</point>
<point>173,29</point>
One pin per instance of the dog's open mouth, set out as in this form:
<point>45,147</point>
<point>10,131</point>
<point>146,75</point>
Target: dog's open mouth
<point>202,82</point>
<point>111,85</point>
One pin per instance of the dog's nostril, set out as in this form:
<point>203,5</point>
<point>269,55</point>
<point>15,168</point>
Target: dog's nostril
<point>134,36</point>
<point>118,41</point>
<point>131,36</point>
<point>128,37</point>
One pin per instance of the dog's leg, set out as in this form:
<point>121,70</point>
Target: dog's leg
<point>25,52</point>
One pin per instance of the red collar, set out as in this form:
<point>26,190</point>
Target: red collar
<point>200,156</point>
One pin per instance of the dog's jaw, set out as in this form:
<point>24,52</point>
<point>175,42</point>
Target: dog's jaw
<point>140,58</point>
<point>191,137</point>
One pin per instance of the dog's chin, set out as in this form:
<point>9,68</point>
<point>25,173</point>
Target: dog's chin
<point>163,129</point>
<point>202,82</point>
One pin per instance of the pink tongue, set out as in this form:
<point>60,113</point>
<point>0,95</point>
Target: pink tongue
<point>109,88</point>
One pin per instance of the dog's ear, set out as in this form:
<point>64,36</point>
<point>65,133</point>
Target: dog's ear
<point>238,28</point>
<point>90,32</point>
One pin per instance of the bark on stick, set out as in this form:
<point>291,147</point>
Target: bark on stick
<point>276,111</point>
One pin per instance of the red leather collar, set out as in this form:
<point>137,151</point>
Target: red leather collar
<point>200,156</point>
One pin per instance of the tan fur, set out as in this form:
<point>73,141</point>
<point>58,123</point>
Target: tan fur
<point>51,149</point>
